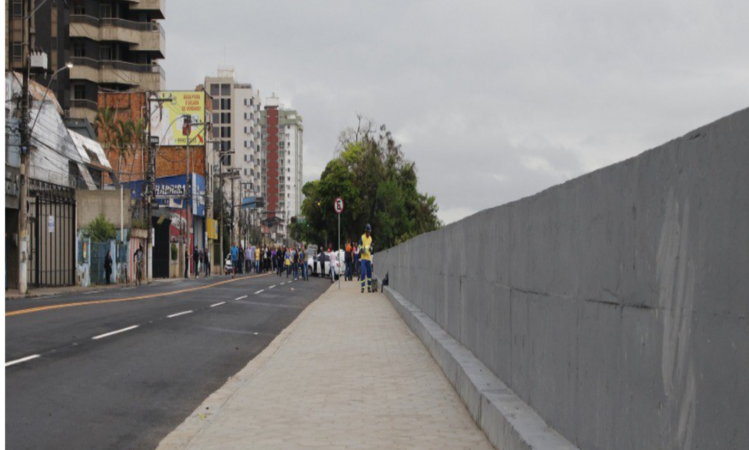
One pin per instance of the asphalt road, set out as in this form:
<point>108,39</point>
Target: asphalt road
<point>173,345</point>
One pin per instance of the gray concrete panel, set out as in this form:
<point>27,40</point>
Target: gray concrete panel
<point>615,304</point>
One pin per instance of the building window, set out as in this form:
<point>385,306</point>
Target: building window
<point>17,9</point>
<point>226,118</point>
<point>225,103</point>
<point>216,103</point>
<point>105,10</point>
<point>17,51</point>
<point>216,118</point>
<point>105,53</point>
<point>214,90</point>
<point>225,89</point>
<point>216,132</point>
<point>79,92</point>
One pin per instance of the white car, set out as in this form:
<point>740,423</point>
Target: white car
<point>319,265</point>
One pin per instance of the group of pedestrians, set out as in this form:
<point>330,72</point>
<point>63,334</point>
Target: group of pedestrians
<point>358,260</point>
<point>266,259</point>
<point>201,262</point>
<point>293,261</point>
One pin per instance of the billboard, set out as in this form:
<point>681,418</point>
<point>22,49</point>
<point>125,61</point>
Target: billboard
<point>170,192</point>
<point>167,118</point>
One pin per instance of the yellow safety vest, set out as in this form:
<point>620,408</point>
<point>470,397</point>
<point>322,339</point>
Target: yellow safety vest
<point>366,243</point>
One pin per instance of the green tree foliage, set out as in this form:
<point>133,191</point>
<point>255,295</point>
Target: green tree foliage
<point>378,186</point>
<point>102,230</point>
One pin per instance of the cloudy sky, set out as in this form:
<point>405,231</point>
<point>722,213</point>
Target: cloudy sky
<point>493,100</point>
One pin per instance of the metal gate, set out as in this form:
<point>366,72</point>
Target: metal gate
<point>52,244</point>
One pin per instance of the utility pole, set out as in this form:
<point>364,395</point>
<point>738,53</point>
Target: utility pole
<point>153,142</point>
<point>23,219</point>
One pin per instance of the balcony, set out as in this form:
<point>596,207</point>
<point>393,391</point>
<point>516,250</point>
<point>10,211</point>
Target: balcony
<point>157,7</point>
<point>147,76</point>
<point>142,36</point>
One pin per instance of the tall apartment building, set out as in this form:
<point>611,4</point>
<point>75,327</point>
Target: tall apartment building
<point>113,45</point>
<point>283,139</point>
<point>236,127</point>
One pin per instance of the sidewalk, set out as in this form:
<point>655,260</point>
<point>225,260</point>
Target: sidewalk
<point>347,374</point>
<point>14,294</point>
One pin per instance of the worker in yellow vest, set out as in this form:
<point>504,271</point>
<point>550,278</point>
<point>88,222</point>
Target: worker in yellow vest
<point>366,259</point>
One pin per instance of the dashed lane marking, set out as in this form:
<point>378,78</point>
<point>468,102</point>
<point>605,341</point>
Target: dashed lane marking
<point>217,304</point>
<point>114,332</point>
<point>260,291</point>
<point>179,314</point>
<point>240,298</point>
<point>18,361</point>
<point>272,287</point>
<point>127,299</point>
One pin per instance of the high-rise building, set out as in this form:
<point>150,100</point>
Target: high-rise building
<point>283,139</point>
<point>236,127</point>
<point>113,45</point>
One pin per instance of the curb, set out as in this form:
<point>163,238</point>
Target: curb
<point>508,422</point>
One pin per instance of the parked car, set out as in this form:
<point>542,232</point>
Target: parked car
<point>228,268</point>
<point>319,265</point>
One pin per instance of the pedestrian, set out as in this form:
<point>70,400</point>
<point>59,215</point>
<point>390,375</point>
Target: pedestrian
<point>287,263</point>
<point>267,259</point>
<point>366,258</point>
<point>240,269</point>
<point>187,262</point>
<point>206,263</point>
<point>257,259</point>
<point>196,258</point>
<point>234,259</point>
<point>247,260</point>
<point>349,260</point>
<point>138,264</point>
<point>333,260</point>
<point>281,256</point>
<point>303,262</point>
<point>295,263</point>
<point>108,265</point>
<point>357,256</point>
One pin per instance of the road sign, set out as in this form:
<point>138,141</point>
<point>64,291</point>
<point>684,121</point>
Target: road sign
<point>338,205</point>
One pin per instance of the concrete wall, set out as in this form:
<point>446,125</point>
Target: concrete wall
<point>89,204</point>
<point>615,304</point>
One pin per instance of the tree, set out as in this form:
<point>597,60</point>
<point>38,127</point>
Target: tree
<point>101,229</point>
<point>378,186</point>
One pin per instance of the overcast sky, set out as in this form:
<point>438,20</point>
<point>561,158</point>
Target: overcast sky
<point>493,100</point>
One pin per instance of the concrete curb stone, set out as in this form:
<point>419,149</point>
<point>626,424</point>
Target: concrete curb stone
<point>508,422</point>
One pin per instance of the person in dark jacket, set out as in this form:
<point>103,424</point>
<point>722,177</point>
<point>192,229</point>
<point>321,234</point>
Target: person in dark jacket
<point>108,265</point>
<point>195,259</point>
<point>207,263</point>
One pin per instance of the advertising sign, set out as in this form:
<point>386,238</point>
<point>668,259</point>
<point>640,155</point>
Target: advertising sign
<point>167,121</point>
<point>170,192</point>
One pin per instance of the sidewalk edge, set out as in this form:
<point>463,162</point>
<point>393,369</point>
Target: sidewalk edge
<point>210,409</point>
<point>508,422</point>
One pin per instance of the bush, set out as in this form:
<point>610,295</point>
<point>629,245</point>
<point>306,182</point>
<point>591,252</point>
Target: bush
<point>102,230</point>
<point>139,223</point>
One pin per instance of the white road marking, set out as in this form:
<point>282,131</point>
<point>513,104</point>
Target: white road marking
<point>28,358</point>
<point>179,314</point>
<point>217,304</point>
<point>114,332</point>
<point>272,287</point>
<point>284,283</point>
<point>240,298</point>
<point>261,290</point>
<point>92,292</point>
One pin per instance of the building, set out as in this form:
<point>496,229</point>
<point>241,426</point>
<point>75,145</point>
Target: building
<point>177,223</point>
<point>60,162</point>
<point>114,46</point>
<point>236,128</point>
<point>283,143</point>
